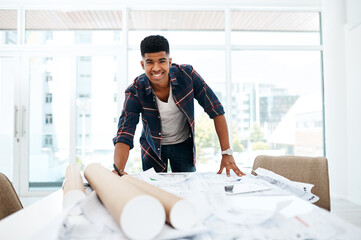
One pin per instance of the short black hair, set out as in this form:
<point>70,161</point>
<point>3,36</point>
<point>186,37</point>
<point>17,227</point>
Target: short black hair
<point>153,44</point>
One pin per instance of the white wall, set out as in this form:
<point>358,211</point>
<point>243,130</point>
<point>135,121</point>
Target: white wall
<point>333,24</point>
<point>353,83</point>
<point>342,76</point>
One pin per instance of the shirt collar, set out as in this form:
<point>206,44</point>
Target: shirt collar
<point>147,86</point>
<point>172,75</point>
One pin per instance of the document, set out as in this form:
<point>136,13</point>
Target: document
<point>241,188</point>
<point>301,190</point>
<point>252,215</point>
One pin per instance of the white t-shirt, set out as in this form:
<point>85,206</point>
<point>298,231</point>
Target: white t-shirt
<point>175,128</point>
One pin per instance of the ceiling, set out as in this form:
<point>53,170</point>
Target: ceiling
<point>210,20</point>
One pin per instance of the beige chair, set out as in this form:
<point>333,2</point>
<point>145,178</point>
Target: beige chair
<point>9,200</point>
<point>312,170</point>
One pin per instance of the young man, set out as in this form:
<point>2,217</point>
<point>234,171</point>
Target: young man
<point>164,96</point>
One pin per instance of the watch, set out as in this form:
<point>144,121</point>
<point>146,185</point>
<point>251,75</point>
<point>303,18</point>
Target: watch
<point>228,152</point>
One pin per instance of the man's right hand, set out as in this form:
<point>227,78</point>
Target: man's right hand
<point>121,153</point>
<point>121,172</point>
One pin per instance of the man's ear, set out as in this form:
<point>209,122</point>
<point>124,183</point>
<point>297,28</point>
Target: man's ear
<point>170,61</point>
<point>142,63</point>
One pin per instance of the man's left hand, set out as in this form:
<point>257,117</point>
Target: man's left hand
<point>229,163</point>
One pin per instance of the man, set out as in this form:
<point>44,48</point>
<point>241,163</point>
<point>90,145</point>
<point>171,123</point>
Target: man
<point>164,95</point>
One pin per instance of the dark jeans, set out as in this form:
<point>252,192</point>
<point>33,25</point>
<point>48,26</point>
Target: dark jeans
<point>180,157</point>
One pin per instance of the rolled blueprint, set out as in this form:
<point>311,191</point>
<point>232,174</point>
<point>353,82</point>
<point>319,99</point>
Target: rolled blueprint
<point>180,213</point>
<point>73,186</point>
<point>140,216</point>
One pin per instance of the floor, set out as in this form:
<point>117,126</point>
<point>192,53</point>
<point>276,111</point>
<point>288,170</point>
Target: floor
<point>346,210</point>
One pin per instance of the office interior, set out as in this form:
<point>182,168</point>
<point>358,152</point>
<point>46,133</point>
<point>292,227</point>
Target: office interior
<point>50,41</point>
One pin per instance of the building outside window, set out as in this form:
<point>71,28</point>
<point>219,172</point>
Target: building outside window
<point>48,118</point>
<point>48,77</point>
<point>49,98</point>
<point>48,140</point>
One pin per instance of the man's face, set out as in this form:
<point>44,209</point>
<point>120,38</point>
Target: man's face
<point>156,67</point>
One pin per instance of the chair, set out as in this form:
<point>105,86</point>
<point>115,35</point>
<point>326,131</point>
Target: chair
<point>9,200</point>
<point>313,170</point>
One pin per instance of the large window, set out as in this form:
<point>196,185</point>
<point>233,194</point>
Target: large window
<point>264,66</point>
<point>96,109</point>
<point>49,121</point>
<point>277,103</point>
<point>276,84</point>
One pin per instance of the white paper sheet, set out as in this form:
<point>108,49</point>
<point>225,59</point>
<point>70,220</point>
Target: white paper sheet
<point>301,190</point>
<point>242,188</point>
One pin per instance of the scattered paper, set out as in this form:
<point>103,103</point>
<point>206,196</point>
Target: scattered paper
<point>242,188</point>
<point>301,190</point>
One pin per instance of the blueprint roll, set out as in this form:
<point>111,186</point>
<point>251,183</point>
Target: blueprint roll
<point>180,213</point>
<point>73,186</point>
<point>140,216</point>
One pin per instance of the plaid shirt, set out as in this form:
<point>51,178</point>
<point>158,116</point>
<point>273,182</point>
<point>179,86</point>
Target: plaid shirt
<point>186,85</point>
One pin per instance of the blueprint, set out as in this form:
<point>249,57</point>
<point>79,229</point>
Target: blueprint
<point>270,214</point>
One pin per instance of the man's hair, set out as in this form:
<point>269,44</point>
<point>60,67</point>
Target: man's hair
<point>153,44</point>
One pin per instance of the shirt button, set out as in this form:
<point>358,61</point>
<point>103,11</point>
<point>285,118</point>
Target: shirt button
<point>158,149</point>
<point>158,116</point>
<point>160,134</point>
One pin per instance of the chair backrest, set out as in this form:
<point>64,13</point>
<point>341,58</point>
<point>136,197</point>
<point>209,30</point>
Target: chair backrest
<point>9,200</point>
<point>312,170</point>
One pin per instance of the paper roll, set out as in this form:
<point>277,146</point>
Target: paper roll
<point>180,213</point>
<point>73,186</point>
<point>140,216</point>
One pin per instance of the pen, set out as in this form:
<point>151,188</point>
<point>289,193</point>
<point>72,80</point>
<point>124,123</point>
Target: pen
<point>117,170</point>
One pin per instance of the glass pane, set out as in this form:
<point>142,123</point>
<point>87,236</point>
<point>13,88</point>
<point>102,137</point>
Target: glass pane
<point>73,27</point>
<point>208,149</point>
<point>275,38</point>
<point>8,70</point>
<point>179,27</point>
<point>275,28</point>
<point>277,104</point>
<point>96,109</point>
<point>8,26</point>
<point>49,119</point>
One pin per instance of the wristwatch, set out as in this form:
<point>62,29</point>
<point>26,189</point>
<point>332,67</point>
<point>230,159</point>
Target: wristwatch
<point>228,152</point>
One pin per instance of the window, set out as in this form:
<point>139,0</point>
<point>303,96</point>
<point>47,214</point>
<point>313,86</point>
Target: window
<point>276,120</point>
<point>48,77</point>
<point>49,98</point>
<point>96,110</point>
<point>48,140</point>
<point>48,118</point>
<point>49,124</point>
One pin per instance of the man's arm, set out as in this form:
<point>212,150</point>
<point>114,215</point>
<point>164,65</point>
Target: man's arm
<point>121,154</point>
<point>227,162</point>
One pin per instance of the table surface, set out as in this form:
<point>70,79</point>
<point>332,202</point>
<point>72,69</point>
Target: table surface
<point>261,215</point>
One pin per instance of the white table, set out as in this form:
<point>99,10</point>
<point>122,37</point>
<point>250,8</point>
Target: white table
<point>298,220</point>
